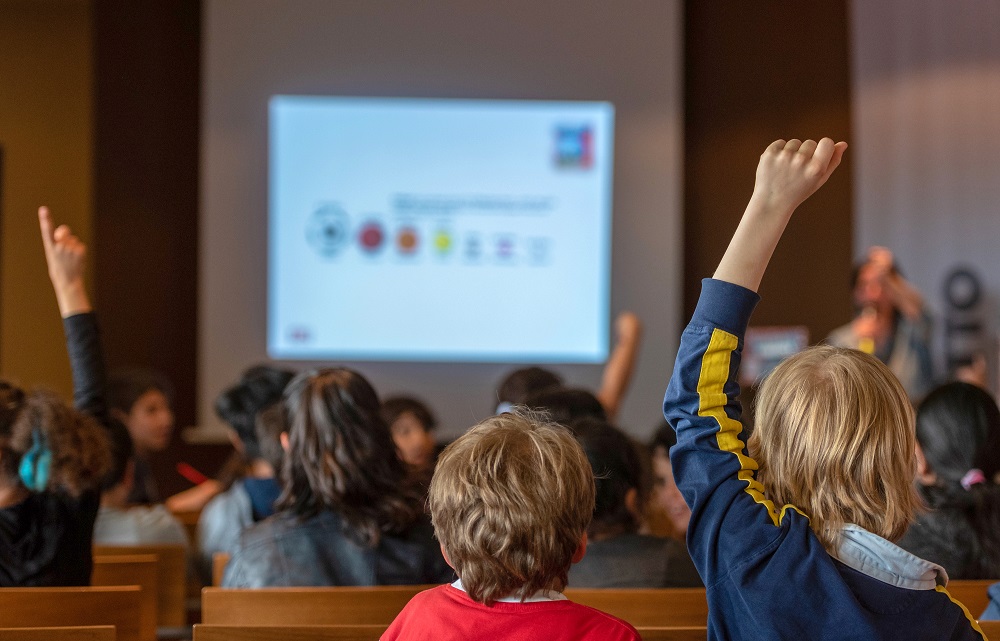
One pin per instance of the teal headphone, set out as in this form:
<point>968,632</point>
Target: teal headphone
<point>36,464</point>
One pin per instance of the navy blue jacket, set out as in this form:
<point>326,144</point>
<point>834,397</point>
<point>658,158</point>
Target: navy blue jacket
<point>767,575</point>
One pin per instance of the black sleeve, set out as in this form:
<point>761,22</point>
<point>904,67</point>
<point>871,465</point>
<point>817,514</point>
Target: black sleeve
<point>83,342</point>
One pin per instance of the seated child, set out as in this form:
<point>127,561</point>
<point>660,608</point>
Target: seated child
<point>411,423</point>
<point>793,532</point>
<point>252,407</point>
<point>618,556</point>
<point>52,458</point>
<point>118,522</point>
<point>670,513</point>
<point>349,514</point>
<point>510,501</point>
<point>958,432</point>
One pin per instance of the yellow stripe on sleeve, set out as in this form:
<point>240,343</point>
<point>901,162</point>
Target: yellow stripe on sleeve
<point>712,404</point>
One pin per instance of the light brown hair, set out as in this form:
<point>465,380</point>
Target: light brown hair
<point>835,437</point>
<point>510,501</point>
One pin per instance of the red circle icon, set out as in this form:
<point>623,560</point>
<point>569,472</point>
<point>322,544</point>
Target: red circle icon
<point>371,237</point>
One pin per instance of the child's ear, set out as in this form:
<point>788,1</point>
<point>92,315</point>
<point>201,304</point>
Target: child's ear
<point>283,437</point>
<point>632,503</point>
<point>925,475</point>
<point>581,550</point>
<point>446,559</point>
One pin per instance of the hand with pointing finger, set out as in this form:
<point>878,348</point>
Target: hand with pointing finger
<point>65,255</point>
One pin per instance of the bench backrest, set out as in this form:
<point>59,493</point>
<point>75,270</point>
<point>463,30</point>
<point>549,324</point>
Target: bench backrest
<point>134,569</point>
<point>306,606</point>
<point>972,594</point>
<point>75,633</point>
<point>171,575</point>
<point>45,607</point>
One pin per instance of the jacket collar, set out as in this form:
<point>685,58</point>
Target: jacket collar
<point>880,559</point>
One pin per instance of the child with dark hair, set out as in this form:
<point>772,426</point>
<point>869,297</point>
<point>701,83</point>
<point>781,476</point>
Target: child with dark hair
<point>52,457</point>
<point>348,513</point>
<point>142,400</point>
<point>411,423</point>
<point>958,458</point>
<point>118,522</point>
<point>253,410</point>
<point>565,405</point>
<point>667,498</point>
<point>617,555</point>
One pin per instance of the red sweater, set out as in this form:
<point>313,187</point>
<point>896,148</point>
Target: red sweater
<point>446,613</point>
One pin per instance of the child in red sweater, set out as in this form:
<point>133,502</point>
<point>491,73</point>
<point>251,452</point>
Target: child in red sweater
<point>510,501</point>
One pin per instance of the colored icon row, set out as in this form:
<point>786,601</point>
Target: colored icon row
<point>329,234</point>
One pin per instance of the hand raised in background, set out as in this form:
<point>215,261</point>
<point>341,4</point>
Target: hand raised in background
<point>66,256</point>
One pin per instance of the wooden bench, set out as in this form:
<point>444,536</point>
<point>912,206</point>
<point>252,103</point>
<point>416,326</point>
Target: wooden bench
<point>171,610</point>
<point>101,606</point>
<point>78,633</point>
<point>684,607</point>
<point>991,629</point>
<point>306,606</point>
<point>134,569</point>
<point>972,594</point>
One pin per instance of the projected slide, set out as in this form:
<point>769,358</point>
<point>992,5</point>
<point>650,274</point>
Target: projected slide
<point>439,230</point>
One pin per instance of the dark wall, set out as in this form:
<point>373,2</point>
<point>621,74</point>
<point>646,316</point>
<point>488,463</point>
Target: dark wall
<point>146,160</point>
<point>756,72</point>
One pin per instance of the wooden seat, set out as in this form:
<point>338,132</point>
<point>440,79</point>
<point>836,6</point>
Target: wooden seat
<point>206,632</point>
<point>134,569</point>
<point>102,606</point>
<point>306,606</point>
<point>79,633</point>
<point>681,633</point>
<point>991,629</point>
<point>972,594</point>
<point>648,607</point>
<point>172,566</point>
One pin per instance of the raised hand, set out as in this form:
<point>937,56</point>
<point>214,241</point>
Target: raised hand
<point>65,255</point>
<point>787,174</point>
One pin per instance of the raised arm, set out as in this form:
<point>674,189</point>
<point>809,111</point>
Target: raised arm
<point>788,173</point>
<point>621,364</point>
<point>731,519</point>
<point>66,255</point>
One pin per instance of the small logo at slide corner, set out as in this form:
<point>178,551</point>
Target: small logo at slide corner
<point>371,236</point>
<point>299,334</point>
<point>574,146</point>
<point>326,231</point>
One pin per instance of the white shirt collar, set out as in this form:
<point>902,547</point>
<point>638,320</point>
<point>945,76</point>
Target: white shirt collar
<point>541,595</point>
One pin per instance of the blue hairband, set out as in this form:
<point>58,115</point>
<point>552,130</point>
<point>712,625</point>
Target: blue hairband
<point>36,464</point>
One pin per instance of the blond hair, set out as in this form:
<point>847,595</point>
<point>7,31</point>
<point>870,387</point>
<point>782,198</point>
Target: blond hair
<point>834,436</point>
<point>510,501</point>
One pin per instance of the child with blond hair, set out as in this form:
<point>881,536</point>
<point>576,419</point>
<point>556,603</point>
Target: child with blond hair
<point>510,501</point>
<point>793,531</point>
